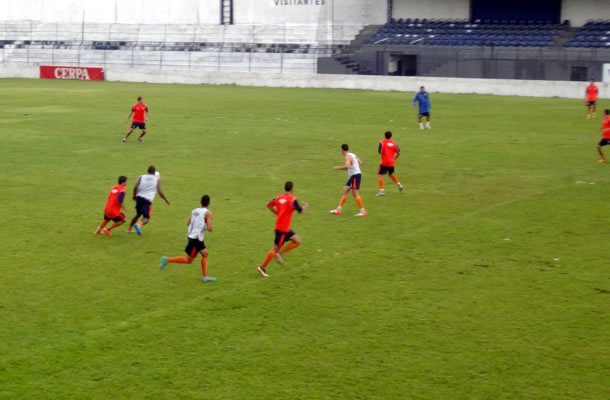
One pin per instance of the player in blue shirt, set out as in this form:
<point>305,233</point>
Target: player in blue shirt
<point>424,107</point>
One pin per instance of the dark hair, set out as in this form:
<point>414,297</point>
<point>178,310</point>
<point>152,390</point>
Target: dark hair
<point>122,179</point>
<point>388,135</point>
<point>607,111</point>
<point>139,98</point>
<point>205,200</point>
<point>152,169</point>
<point>288,186</point>
<point>421,87</point>
<point>344,147</point>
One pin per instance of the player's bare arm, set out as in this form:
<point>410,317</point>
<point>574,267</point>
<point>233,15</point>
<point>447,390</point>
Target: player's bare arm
<point>208,220</point>
<point>160,191</point>
<point>272,209</point>
<point>135,188</point>
<point>348,163</point>
<point>146,115</point>
<point>360,162</point>
<point>129,116</point>
<point>189,221</point>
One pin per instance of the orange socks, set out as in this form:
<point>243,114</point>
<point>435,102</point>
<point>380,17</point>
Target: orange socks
<point>268,259</point>
<point>117,224</point>
<point>103,224</point>
<point>204,266</point>
<point>290,246</point>
<point>343,200</point>
<point>395,179</point>
<point>380,181</point>
<point>359,202</point>
<point>178,260</point>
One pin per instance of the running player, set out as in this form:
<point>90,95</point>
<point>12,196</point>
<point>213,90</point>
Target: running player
<point>144,194</point>
<point>283,207</point>
<point>114,206</point>
<point>199,222</point>
<point>605,135</point>
<point>591,99</point>
<point>390,152</point>
<point>140,117</point>
<point>352,165</point>
<point>424,107</point>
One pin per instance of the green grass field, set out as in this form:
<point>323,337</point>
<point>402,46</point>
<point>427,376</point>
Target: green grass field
<point>487,278</point>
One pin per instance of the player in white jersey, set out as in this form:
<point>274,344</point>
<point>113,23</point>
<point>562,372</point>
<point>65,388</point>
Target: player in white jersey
<point>144,193</point>
<point>199,222</point>
<point>352,165</point>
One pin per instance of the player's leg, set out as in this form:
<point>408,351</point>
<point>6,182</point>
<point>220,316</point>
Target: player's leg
<point>395,179</point>
<point>191,253</point>
<point>143,129</point>
<point>421,124</point>
<point>204,267</point>
<point>293,243</point>
<point>144,208</point>
<point>118,221</point>
<point>134,220</point>
<point>101,226</point>
<point>279,240</point>
<point>589,110</point>
<point>380,173</point>
<point>356,193</point>
<point>428,126</point>
<point>346,189</point>
<point>129,133</point>
<point>599,150</point>
<point>594,109</point>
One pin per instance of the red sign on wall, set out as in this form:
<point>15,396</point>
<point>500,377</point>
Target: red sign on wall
<point>80,73</point>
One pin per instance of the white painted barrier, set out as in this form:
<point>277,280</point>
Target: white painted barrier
<point>502,87</point>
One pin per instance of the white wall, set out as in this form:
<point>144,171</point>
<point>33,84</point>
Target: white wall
<point>456,9</point>
<point>505,87</point>
<point>579,11</point>
<point>112,11</point>
<point>347,12</point>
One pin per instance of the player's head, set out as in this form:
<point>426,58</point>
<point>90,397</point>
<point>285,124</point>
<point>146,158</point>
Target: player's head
<point>388,135</point>
<point>607,112</point>
<point>140,100</point>
<point>592,81</point>
<point>123,180</point>
<point>205,200</point>
<point>422,89</point>
<point>344,148</point>
<point>289,187</point>
<point>152,170</point>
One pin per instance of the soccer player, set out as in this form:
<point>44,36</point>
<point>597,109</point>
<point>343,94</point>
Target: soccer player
<point>283,207</point>
<point>199,222</point>
<point>591,99</point>
<point>144,194</point>
<point>114,208</point>
<point>390,152</point>
<point>352,165</point>
<point>605,135</point>
<point>424,107</point>
<point>140,117</point>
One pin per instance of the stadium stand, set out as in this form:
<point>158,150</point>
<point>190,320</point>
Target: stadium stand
<point>512,33</point>
<point>594,34</point>
<point>231,48</point>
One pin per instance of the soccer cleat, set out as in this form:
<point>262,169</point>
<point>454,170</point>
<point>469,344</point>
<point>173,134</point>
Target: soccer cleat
<point>400,187</point>
<point>140,140</point>
<point>163,263</point>
<point>381,193</point>
<point>279,258</point>
<point>588,116</point>
<point>208,279</point>
<point>138,229</point>
<point>335,212</point>
<point>130,231</point>
<point>262,271</point>
<point>421,126</point>
<point>603,160</point>
<point>107,232</point>
<point>123,141</point>
<point>362,214</point>
<point>97,232</point>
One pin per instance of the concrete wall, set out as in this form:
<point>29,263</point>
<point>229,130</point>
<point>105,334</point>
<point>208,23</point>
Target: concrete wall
<point>579,11</point>
<point>113,11</point>
<point>456,9</point>
<point>573,90</point>
<point>347,12</point>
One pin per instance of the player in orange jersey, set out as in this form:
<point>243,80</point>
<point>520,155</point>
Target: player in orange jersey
<point>140,117</point>
<point>390,152</point>
<point>114,208</point>
<point>591,99</point>
<point>283,207</point>
<point>605,135</point>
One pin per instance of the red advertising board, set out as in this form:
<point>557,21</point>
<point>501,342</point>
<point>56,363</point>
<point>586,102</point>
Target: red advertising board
<point>80,73</point>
